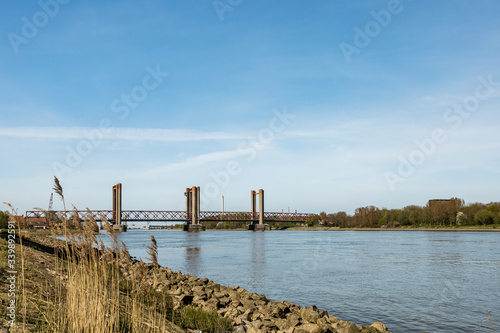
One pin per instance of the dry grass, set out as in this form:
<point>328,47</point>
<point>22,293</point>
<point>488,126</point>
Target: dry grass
<point>83,287</point>
<point>89,292</point>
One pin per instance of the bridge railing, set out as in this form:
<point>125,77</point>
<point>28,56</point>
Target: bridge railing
<point>154,215</point>
<point>173,216</point>
<point>98,215</point>
<point>226,216</point>
<point>247,216</point>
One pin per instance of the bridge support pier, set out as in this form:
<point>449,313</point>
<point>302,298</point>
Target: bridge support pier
<point>260,226</point>
<point>119,228</point>
<point>193,210</point>
<point>117,209</point>
<point>194,227</point>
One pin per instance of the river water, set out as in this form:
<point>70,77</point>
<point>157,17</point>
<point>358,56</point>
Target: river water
<point>412,281</point>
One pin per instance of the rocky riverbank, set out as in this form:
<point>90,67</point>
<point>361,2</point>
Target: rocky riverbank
<point>250,312</point>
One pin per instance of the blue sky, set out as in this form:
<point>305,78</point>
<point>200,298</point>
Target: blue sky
<point>326,105</point>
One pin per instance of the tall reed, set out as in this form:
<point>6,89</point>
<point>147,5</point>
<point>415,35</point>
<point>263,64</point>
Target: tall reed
<point>91,293</point>
<point>98,288</point>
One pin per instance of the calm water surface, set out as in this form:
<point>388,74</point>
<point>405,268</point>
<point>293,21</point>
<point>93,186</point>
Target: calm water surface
<point>413,281</point>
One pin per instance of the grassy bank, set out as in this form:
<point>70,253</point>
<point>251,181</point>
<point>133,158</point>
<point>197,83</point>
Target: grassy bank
<point>70,286</point>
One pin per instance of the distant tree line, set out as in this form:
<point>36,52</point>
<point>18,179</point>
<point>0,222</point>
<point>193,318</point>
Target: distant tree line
<point>451,212</point>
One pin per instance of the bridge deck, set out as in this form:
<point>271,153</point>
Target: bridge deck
<point>176,216</point>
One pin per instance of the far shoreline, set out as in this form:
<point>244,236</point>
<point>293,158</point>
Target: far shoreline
<point>457,229</point>
<point>441,229</point>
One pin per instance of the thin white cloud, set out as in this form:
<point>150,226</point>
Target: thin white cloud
<point>132,134</point>
<point>143,134</point>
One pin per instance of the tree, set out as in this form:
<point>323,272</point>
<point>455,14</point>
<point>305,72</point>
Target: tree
<point>493,208</point>
<point>339,219</point>
<point>313,220</point>
<point>390,217</point>
<point>436,212</point>
<point>323,217</point>
<point>457,203</point>
<point>483,217</point>
<point>462,219</point>
<point>383,219</point>
<point>367,216</point>
<point>445,211</point>
<point>471,209</point>
<point>415,217</point>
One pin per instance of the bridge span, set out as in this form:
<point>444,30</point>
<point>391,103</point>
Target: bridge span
<point>192,216</point>
<point>174,216</point>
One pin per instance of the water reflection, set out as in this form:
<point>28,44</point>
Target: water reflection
<point>193,254</point>
<point>258,260</point>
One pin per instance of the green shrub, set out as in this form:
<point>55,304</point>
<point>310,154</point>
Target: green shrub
<point>4,220</point>
<point>483,217</point>
<point>206,321</point>
<point>313,220</point>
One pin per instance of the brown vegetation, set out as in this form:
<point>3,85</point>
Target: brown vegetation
<point>437,213</point>
<point>82,287</point>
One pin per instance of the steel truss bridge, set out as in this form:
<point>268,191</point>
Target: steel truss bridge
<point>171,216</point>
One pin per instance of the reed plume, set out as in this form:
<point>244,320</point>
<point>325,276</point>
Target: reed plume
<point>58,188</point>
<point>153,252</point>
